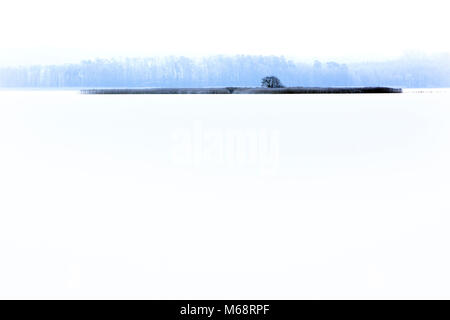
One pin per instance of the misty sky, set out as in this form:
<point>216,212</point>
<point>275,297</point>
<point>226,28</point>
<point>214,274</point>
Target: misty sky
<point>55,31</point>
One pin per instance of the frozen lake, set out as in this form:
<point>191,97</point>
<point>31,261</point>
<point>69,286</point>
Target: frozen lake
<point>199,196</point>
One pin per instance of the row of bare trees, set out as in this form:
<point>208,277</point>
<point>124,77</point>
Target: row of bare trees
<point>230,71</point>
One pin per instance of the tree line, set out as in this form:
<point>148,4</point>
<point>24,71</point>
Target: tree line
<point>242,70</point>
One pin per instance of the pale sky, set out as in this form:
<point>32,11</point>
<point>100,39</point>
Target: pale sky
<point>55,31</point>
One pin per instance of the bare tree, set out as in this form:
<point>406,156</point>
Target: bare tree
<point>271,82</point>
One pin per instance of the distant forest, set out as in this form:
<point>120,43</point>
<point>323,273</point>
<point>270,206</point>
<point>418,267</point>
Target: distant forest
<point>408,72</point>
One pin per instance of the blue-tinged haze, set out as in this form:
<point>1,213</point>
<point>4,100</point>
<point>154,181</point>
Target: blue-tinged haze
<point>408,72</point>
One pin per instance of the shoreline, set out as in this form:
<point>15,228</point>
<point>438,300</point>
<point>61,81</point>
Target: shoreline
<point>242,90</point>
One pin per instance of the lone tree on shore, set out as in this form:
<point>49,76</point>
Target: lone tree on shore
<point>271,82</point>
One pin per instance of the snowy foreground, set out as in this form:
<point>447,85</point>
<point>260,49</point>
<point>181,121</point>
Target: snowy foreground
<point>233,196</point>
